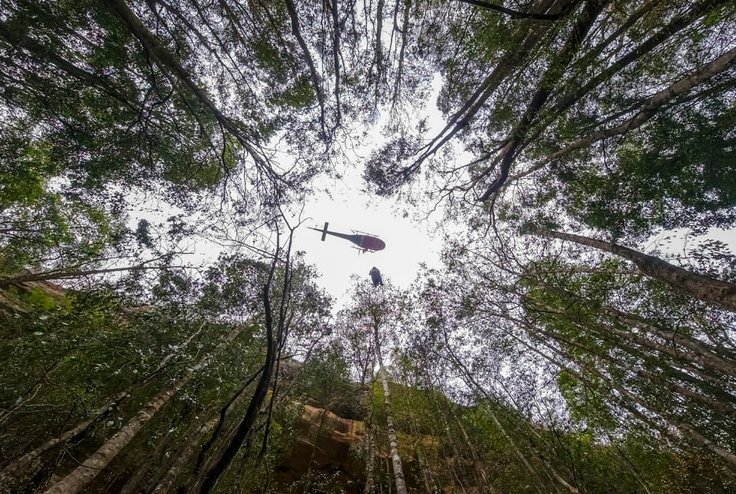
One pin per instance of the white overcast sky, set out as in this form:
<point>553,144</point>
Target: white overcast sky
<point>409,242</point>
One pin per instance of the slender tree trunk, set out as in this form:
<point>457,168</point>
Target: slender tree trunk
<point>370,458</point>
<point>169,62</point>
<point>627,399</point>
<point>482,477</point>
<point>246,424</point>
<point>693,351</point>
<point>392,440</point>
<point>13,468</point>
<point>474,384</point>
<point>650,108</point>
<point>546,85</point>
<point>69,274</point>
<point>296,31</point>
<point>702,353</point>
<point>515,14</point>
<point>456,456</point>
<point>720,407</point>
<point>81,476</point>
<point>402,49</point>
<point>167,481</point>
<point>701,287</point>
<point>522,46</point>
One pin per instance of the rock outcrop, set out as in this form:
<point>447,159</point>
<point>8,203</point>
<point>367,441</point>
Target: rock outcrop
<point>331,445</point>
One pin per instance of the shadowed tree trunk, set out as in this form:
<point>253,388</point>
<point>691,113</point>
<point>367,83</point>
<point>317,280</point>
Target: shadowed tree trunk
<point>370,458</point>
<point>13,468</point>
<point>63,274</point>
<point>636,405</point>
<point>81,476</point>
<point>546,85</point>
<point>166,483</point>
<point>515,14</point>
<point>276,330</point>
<point>703,74</point>
<point>701,287</point>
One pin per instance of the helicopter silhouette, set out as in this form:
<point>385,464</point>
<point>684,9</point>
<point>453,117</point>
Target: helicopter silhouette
<point>364,241</point>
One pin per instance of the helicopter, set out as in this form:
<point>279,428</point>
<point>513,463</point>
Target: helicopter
<point>364,241</point>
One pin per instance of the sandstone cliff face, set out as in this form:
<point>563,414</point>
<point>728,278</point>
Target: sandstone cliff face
<point>332,445</point>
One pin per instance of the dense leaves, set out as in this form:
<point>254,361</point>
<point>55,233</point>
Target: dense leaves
<point>135,133</point>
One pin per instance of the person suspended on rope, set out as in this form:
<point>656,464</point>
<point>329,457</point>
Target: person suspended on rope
<point>375,276</point>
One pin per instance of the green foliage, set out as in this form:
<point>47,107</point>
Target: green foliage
<point>679,173</point>
<point>37,298</point>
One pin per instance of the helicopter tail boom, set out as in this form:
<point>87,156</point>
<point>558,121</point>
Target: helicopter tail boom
<point>323,230</point>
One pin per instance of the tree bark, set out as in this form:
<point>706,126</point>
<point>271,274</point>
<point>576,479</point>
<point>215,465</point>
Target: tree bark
<point>275,334</point>
<point>516,14</point>
<point>703,288</point>
<point>523,46</point>
<point>392,440</point>
<point>167,481</point>
<point>12,469</point>
<point>699,352</point>
<point>168,62</point>
<point>81,476</point>
<point>296,31</point>
<point>627,399</point>
<point>370,458</point>
<point>69,274</point>
<point>650,108</point>
<point>544,89</point>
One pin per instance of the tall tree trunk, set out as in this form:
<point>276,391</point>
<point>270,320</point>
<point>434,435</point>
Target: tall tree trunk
<point>701,287</point>
<point>296,31</point>
<point>370,458</point>
<point>467,376</point>
<point>81,476</point>
<point>13,468</point>
<point>392,440</point>
<point>546,85</point>
<point>245,426</point>
<point>523,44</point>
<point>64,274</point>
<point>534,473</point>
<point>168,62</point>
<point>720,407</point>
<point>166,483</point>
<point>700,352</point>
<point>703,74</point>
<point>627,400</point>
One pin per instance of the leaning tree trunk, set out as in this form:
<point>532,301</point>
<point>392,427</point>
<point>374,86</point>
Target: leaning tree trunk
<point>18,465</point>
<point>638,406</point>
<point>194,441</point>
<point>392,441</point>
<point>81,476</point>
<point>704,288</point>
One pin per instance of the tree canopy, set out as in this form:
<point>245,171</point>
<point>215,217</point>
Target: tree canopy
<point>560,346</point>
